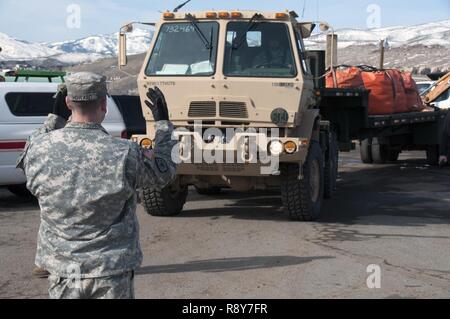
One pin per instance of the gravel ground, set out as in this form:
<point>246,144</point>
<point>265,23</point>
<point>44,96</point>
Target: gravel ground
<point>243,246</point>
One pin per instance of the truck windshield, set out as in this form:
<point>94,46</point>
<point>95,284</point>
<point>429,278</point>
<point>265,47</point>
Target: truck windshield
<point>180,50</point>
<point>265,51</point>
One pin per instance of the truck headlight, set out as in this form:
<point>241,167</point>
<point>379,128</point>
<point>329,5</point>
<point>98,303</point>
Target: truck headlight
<point>276,148</point>
<point>146,143</point>
<point>290,147</point>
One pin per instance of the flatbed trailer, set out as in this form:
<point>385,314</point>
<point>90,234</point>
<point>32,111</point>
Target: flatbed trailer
<point>382,137</point>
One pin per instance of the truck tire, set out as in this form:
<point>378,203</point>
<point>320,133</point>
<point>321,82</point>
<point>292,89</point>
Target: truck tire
<point>366,151</point>
<point>20,191</point>
<point>331,167</point>
<point>380,152</point>
<point>302,199</point>
<point>433,155</point>
<point>211,191</point>
<point>164,203</point>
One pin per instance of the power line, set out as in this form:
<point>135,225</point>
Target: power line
<point>304,9</point>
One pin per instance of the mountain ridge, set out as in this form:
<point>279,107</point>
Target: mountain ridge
<point>97,47</point>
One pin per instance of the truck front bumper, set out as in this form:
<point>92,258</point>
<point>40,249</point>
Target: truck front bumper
<point>245,154</point>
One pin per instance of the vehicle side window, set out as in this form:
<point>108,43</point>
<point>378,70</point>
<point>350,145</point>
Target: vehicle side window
<point>445,96</point>
<point>30,104</point>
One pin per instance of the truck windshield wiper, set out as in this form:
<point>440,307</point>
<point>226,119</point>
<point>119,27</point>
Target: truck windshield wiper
<point>201,35</point>
<point>237,42</point>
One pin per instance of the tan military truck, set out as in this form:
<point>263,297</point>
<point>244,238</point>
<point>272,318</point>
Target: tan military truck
<point>233,80</point>
<point>252,111</point>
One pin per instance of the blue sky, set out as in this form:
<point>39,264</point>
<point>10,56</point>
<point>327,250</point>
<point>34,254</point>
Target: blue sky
<point>45,20</point>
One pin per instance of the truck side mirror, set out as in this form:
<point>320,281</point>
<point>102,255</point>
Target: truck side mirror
<point>122,49</point>
<point>306,29</point>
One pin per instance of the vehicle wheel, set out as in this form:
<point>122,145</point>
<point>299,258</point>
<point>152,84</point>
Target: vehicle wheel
<point>211,191</point>
<point>20,191</point>
<point>433,155</point>
<point>302,199</point>
<point>331,167</point>
<point>393,155</point>
<point>366,151</point>
<point>167,202</point>
<point>380,152</point>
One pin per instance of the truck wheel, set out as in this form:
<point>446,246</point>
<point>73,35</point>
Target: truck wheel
<point>380,152</point>
<point>433,155</point>
<point>20,191</point>
<point>331,167</point>
<point>302,199</point>
<point>167,202</point>
<point>211,191</point>
<point>366,151</point>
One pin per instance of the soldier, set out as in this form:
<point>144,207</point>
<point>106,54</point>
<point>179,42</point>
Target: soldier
<point>86,182</point>
<point>276,55</point>
<point>444,150</point>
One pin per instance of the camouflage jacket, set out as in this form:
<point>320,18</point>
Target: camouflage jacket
<point>86,182</point>
<point>444,148</point>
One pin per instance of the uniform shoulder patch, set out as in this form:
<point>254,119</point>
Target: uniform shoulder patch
<point>161,165</point>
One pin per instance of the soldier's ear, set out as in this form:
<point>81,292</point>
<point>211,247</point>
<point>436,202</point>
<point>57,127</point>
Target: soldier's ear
<point>69,103</point>
<point>104,105</point>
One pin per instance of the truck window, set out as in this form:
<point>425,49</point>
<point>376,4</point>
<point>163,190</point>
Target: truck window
<point>179,50</point>
<point>264,51</point>
<point>30,104</point>
<point>444,96</point>
<point>301,53</point>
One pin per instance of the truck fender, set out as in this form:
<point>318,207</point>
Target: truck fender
<point>309,125</point>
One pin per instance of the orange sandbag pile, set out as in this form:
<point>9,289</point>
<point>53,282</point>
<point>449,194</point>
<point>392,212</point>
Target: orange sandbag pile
<point>391,91</point>
<point>381,97</point>
<point>346,78</point>
<point>414,101</point>
<point>400,101</point>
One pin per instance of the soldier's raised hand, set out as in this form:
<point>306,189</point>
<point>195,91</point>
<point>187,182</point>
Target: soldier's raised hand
<point>156,102</point>
<point>60,107</point>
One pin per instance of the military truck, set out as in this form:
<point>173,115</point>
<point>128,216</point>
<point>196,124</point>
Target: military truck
<point>247,77</point>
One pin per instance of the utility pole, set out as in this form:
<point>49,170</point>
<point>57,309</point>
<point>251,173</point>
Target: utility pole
<point>382,48</point>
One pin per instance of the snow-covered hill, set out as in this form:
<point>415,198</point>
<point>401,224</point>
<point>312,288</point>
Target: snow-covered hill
<point>14,49</point>
<point>107,45</point>
<point>79,51</point>
<point>97,47</point>
<point>436,33</point>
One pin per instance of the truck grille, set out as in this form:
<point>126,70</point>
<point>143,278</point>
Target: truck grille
<point>202,109</point>
<point>233,110</point>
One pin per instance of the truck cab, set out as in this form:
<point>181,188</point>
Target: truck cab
<point>242,97</point>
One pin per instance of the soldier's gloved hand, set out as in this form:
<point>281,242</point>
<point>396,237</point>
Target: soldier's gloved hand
<point>60,107</point>
<point>157,104</point>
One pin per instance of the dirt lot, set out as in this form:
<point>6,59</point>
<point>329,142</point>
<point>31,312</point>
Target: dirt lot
<point>242,245</point>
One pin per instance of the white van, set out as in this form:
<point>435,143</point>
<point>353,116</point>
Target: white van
<point>24,108</point>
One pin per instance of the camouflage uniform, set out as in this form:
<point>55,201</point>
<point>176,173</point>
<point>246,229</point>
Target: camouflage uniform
<point>444,148</point>
<point>86,182</point>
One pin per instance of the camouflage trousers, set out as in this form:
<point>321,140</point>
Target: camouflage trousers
<point>113,287</point>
